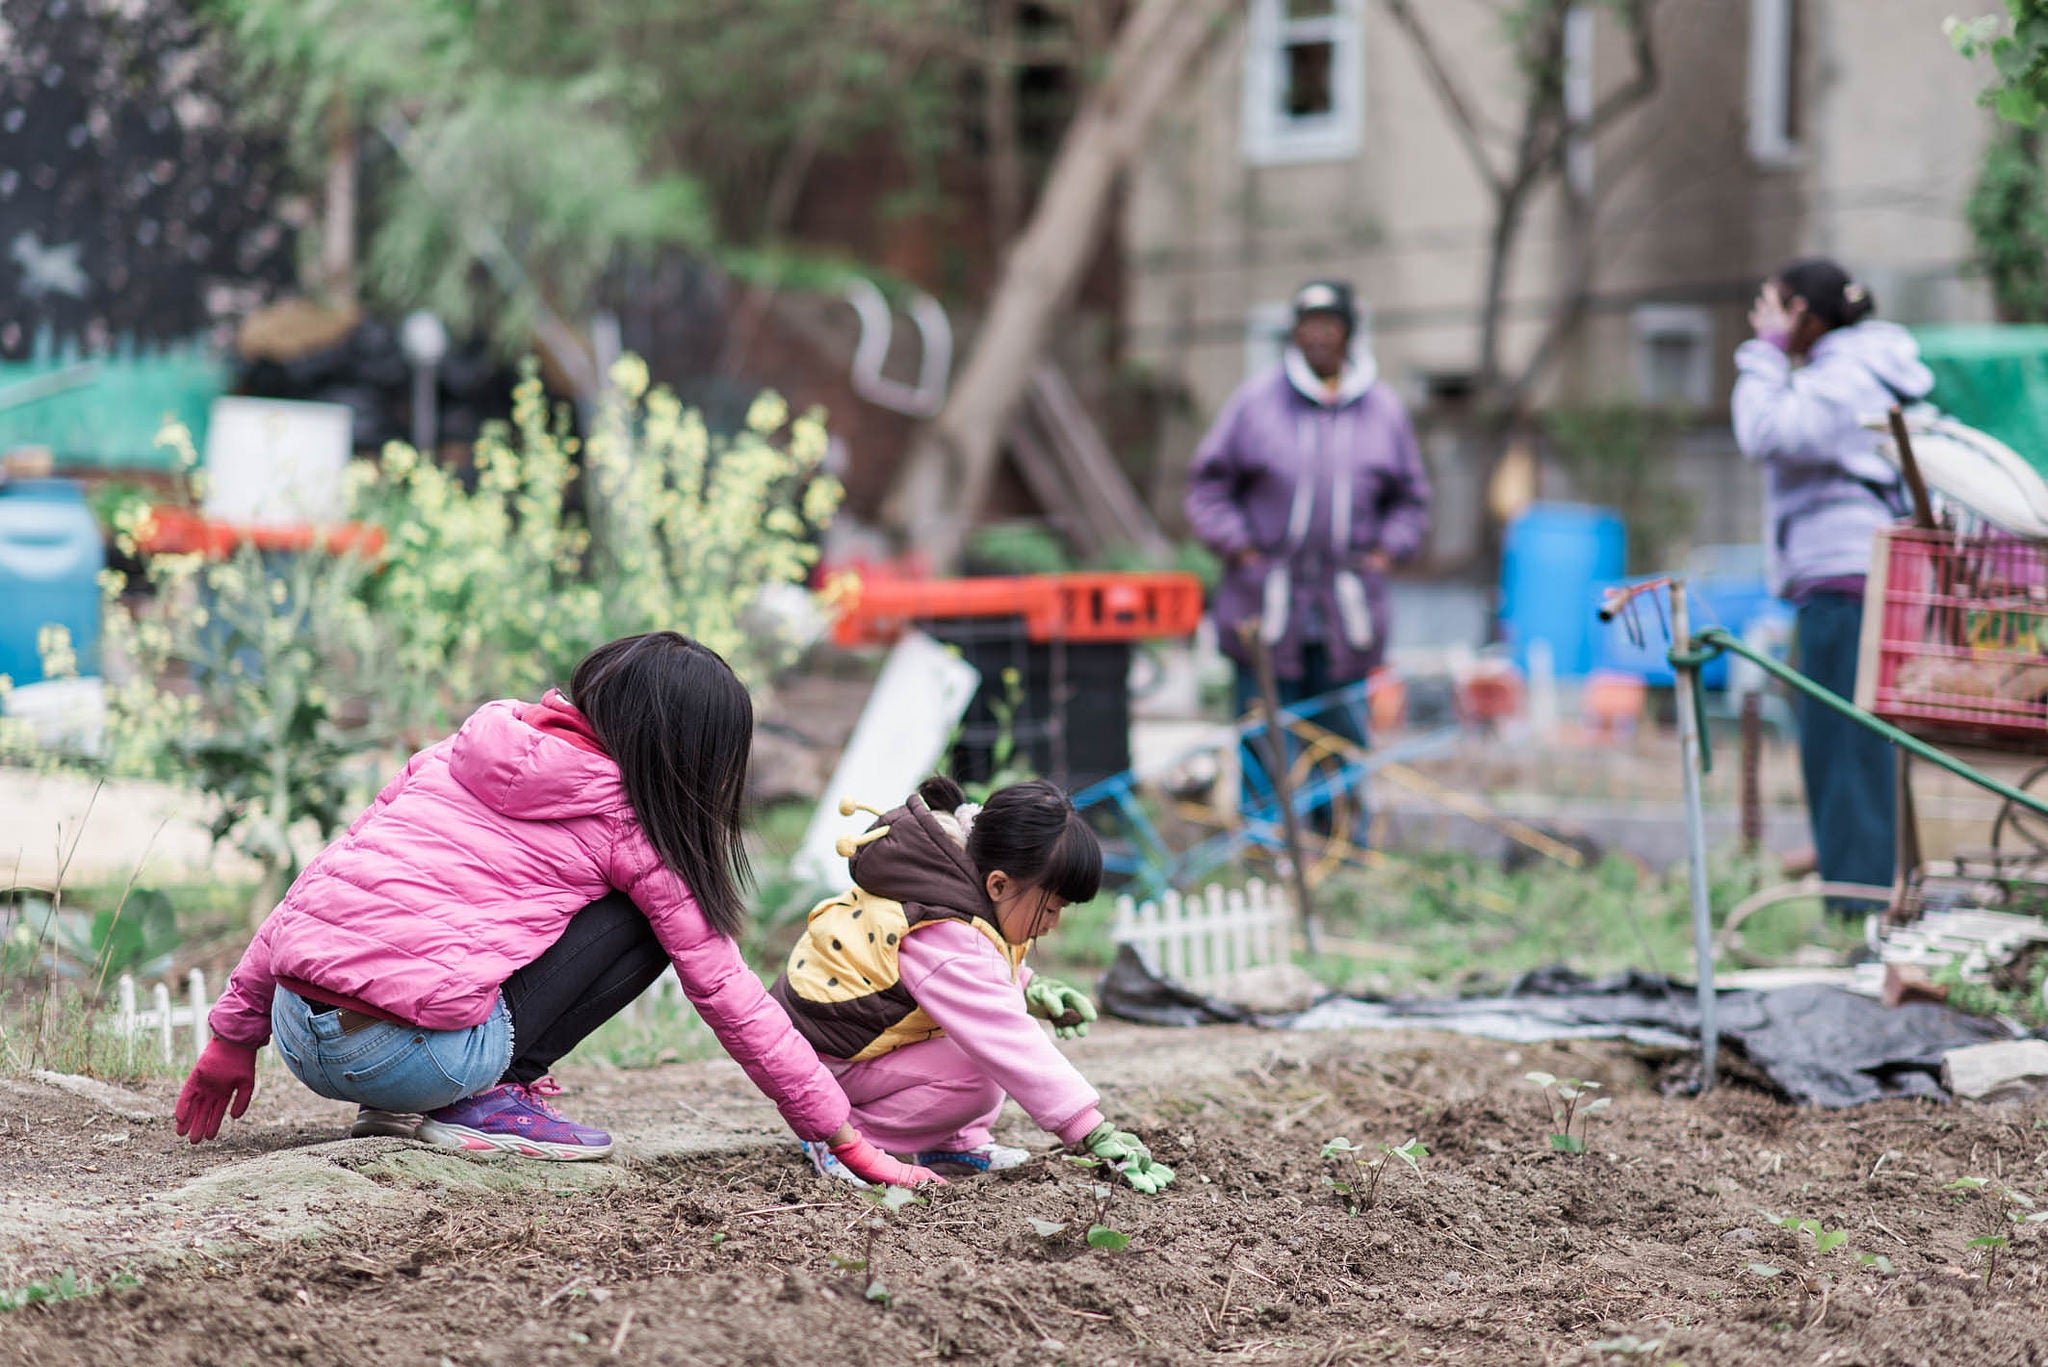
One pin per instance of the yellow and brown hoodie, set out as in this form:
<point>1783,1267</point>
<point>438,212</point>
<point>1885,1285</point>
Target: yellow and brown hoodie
<point>843,986</point>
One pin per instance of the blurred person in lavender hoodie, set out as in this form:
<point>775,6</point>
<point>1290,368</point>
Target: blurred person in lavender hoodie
<point>1310,486</point>
<point>1817,368</point>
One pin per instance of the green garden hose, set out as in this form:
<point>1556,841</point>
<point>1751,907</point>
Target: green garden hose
<point>1713,641</point>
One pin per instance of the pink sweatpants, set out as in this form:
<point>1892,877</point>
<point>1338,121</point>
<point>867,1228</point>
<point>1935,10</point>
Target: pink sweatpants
<point>920,1098</point>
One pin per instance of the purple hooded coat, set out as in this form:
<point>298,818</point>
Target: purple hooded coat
<point>1279,428</point>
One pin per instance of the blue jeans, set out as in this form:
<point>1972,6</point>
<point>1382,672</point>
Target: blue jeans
<point>1850,771</point>
<point>404,1068</point>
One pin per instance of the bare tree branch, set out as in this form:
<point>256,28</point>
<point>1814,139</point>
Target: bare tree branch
<point>1464,121</point>
<point>1642,83</point>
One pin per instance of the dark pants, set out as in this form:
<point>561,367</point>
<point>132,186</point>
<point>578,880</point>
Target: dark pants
<point>1313,682</point>
<point>606,958</point>
<point>1851,773</point>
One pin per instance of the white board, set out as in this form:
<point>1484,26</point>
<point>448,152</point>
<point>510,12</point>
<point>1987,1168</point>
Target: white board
<point>277,463</point>
<point>919,699</point>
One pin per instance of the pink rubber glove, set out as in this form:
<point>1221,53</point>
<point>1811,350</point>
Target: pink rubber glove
<point>870,1164</point>
<point>221,1083</point>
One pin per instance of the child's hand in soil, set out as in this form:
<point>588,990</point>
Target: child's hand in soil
<point>1128,1157</point>
<point>871,1165</point>
<point>221,1083</point>
<point>1068,1008</point>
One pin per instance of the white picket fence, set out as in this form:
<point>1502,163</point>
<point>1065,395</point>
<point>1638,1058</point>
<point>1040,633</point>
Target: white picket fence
<point>1205,940</point>
<point>166,1022</point>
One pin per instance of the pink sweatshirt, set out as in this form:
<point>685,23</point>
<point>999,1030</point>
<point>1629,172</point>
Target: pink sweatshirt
<point>964,984</point>
<point>468,865</point>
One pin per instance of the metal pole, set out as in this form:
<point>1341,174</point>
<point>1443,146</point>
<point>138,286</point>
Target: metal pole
<point>1283,786</point>
<point>1695,832</point>
<point>426,417</point>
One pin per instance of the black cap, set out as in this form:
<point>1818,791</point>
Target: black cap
<point>1326,296</point>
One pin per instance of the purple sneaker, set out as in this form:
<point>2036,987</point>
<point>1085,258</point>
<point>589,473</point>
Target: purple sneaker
<point>514,1117</point>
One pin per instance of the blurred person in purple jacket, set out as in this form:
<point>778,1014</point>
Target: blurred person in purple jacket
<point>1310,486</point>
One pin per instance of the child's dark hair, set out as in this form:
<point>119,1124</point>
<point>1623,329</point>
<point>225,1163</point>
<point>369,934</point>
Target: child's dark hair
<point>680,726</point>
<point>1832,295</point>
<point>1031,832</point>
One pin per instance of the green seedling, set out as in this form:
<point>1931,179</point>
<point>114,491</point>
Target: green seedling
<point>886,1201</point>
<point>1568,1099</point>
<point>1101,1234</point>
<point>65,1286</point>
<point>2004,1217</point>
<point>1358,1178</point>
<point>1812,1281</point>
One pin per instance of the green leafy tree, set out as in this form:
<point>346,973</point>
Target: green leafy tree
<point>541,146</point>
<point>2008,207</point>
<point>2008,216</point>
<point>2018,48</point>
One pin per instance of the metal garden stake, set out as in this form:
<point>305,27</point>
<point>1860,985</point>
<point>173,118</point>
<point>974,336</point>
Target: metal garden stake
<point>1687,670</point>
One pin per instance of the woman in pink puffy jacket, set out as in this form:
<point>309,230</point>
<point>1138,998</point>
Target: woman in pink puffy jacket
<point>507,893</point>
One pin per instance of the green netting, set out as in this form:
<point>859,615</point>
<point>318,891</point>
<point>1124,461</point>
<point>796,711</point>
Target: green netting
<point>1994,378</point>
<point>104,411</point>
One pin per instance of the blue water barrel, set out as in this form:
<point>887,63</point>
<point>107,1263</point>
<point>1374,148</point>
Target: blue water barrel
<point>51,556</point>
<point>1553,562</point>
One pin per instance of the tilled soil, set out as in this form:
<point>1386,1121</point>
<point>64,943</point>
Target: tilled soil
<point>710,1242</point>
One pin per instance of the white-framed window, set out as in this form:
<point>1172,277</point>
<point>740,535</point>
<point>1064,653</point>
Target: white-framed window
<point>1674,354</point>
<point>1578,96</point>
<point>1304,81</point>
<point>1774,82</point>
<point>1268,326</point>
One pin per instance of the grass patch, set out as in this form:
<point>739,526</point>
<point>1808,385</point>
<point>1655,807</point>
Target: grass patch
<point>659,1029</point>
<point>65,1286</point>
<point>1452,923</point>
<point>58,1026</point>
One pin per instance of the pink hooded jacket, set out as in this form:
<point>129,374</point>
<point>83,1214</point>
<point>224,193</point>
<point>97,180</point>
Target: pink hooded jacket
<point>468,866</point>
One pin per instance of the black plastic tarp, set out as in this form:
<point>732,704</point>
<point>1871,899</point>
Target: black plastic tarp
<point>1818,1045</point>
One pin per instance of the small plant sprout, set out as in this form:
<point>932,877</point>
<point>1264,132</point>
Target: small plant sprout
<point>2004,1216</point>
<point>1812,1281</point>
<point>1569,1098</point>
<point>886,1201</point>
<point>1102,1234</point>
<point>1358,1177</point>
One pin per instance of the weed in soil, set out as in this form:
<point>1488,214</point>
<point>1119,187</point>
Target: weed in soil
<point>1358,1177</point>
<point>1563,1096</point>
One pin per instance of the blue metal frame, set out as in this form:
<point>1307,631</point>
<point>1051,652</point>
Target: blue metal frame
<point>1152,864</point>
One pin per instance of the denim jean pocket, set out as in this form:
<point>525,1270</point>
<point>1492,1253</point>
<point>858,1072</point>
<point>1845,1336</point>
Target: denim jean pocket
<point>401,1076</point>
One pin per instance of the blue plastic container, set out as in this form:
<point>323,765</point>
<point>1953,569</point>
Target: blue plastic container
<point>1553,563</point>
<point>51,555</point>
<point>1724,587</point>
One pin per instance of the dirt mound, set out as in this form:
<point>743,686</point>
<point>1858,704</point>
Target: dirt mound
<point>1499,1251</point>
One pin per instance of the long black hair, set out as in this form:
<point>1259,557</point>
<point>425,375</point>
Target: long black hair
<point>1833,296</point>
<point>680,726</point>
<point>1031,832</point>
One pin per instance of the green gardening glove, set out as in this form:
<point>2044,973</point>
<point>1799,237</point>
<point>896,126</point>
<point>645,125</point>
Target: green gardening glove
<point>1129,1158</point>
<point>1068,1008</point>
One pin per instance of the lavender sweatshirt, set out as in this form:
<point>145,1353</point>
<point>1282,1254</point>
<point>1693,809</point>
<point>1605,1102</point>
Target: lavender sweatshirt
<point>1283,427</point>
<point>1805,424</point>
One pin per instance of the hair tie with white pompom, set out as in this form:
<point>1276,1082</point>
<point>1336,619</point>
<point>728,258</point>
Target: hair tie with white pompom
<point>965,814</point>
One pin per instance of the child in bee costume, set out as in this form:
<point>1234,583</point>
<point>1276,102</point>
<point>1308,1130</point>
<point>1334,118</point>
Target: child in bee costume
<point>913,990</point>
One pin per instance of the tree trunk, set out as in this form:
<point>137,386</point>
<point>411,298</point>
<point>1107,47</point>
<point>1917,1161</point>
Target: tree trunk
<point>999,112</point>
<point>338,232</point>
<point>945,482</point>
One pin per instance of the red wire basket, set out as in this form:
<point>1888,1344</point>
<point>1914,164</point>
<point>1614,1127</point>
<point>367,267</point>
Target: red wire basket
<point>1955,637</point>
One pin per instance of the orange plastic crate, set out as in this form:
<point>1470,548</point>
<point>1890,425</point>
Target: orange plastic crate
<point>1066,607</point>
<point>180,531</point>
<point>1955,637</point>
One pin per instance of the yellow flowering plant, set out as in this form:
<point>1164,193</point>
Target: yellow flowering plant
<point>499,589</point>
<point>281,684</point>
